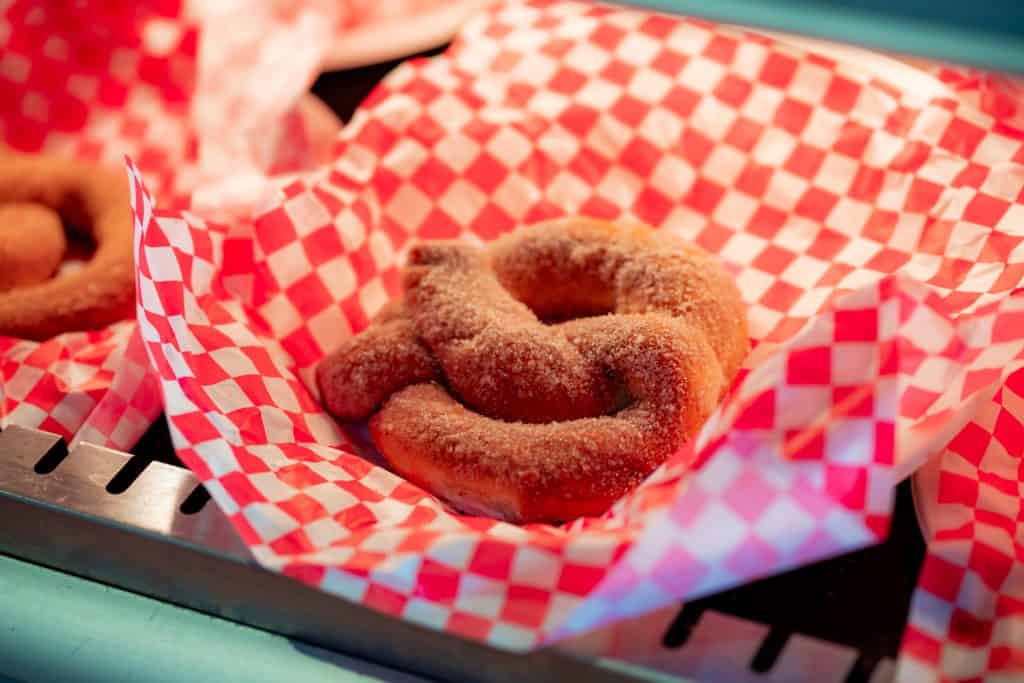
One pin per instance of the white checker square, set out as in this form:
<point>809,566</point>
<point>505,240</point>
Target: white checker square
<point>785,525</point>
<point>672,177</point>
<point>701,75</point>
<point>753,282</point>
<point>338,277</point>
<point>637,49</point>
<point>857,252</point>
<point>405,157</point>
<point>163,264</point>
<point>762,103</point>
<point>661,127</point>
<point>773,148</point>
<point>810,82</point>
<point>713,118</point>
<point>373,296</point>
<point>724,165</point>
<point>823,128</point>
<point>426,613</point>
<point>281,314</point>
<point>351,229</point>
<point>598,94</point>
<point>534,567</point>
<point>509,147</point>
<point>848,216</point>
<point>409,207</point>
<point>288,264</point>
<point>568,190</point>
<point>649,86</point>
<point>836,173</point>
<point>586,58</point>
<point>306,213</point>
<point>344,584</point>
<point>457,151</point>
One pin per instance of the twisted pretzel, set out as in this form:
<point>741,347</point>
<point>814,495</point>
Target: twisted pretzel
<point>489,407</point>
<point>38,197</point>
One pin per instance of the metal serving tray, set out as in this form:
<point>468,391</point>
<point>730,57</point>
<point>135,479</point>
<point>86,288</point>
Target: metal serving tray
<point>135,522</point>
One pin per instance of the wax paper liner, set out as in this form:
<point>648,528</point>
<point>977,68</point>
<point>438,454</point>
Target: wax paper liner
<point>158,80</point>
<point>872,231</point>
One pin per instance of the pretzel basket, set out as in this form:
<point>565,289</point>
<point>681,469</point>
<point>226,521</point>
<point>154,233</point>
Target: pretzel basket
<point>874,233</point>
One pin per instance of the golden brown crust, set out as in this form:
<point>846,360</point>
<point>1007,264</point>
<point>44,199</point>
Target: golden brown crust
<point>528,421</point>
<point>95,202</point>
<point>32,244</point>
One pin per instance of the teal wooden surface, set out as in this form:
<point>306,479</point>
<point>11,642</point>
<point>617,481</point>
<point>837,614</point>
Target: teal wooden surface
<point>56,627</point>
<point>987,34</point>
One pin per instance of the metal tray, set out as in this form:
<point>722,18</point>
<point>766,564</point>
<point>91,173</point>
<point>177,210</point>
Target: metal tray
<point>141,522</point>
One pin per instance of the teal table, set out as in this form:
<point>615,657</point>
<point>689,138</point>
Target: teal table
<point>56,627</point>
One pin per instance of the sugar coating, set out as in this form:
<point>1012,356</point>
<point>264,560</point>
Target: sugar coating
<point>528,421</point>
<point>32,244</point>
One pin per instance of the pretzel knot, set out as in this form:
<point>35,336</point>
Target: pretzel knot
<point>543,378</point>
<point>38,197</point>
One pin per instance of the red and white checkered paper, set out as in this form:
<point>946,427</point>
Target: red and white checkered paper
<point>874,232</point>
<point>96,80</point>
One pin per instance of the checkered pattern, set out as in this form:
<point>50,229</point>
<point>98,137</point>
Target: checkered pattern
<point>94,81</point>
<point>874,233</point>
<point>967,616</point>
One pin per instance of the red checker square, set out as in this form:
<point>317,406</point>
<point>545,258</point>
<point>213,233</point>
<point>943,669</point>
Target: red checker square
<point>274,230</point>
<point>469,626</point>
<point>922,196</point>
<point>778,70</point>
<point>618,72</point>
<point>384,599</point>
<point>842,94</point>
<point>805,445</point>
<point>816,204</point>
<point>856,325</point>
<point>578,119</point>
<point>579,579</point>
<point>919,645</point>
<point>355,517</point>
<point>968,630</point>
<point>997,520</point>
<point>809,366</point>
<point>589,166</point>
<point>853,140</point>
<point>525,606</point>
<point>888,260</point>
<point>805,161</point>
<point>629,110</point>
<point>985,209</point>
<point>111,93</point>
<point>311,575</point>
<point>792,116</point>
<point>958,301</point>
<point>713,237</point>
<point>681,100</point>
<point>242,491</point>
<point>304,509</point>
<point>721,49</point>
<point>774,259</point>
<point>1011,278</point>
<point>658,26</point>
<point>491,222</point>
<point>941,578</point>
<point>1007,326</point>
<point>866,184</point>
<point>360,491</point>
<point>853,401</point>
<point>911,157</point>
<point>998,247</point>
<point>973,175</point>
<point>956,488</point>
<point>567,81</point>
<point>993,480</point>
<point>694,147</point>
<point>744,134</point>
<point>309,295</point>
<point>300,344</point>
<point>651,206</point>
<point>433,177</point>
<point>295,542</point>
<point>299,476</point>
<point>704,196</point>
<point>880,225</point>
<point>952,272</point>
<point>733,90</point>
<point>827,244</point>
<point>848,485</point>
<point>669,62</point>
<point>151,158</point>
<point>557,47</point>
<point>781,296</point>
<point>505,61</point>
<point>759,413</point>
<point>640,157</point>
<point>971,443</point>
<point>376,136</point>
<point>1006,659</point>
<point>322,245</point>
<point>439,225</point>
<point>766,222</point>
<point>607,36</point>
<point>437,582</point>
<point>493,559</point>
<point>962,137</point>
